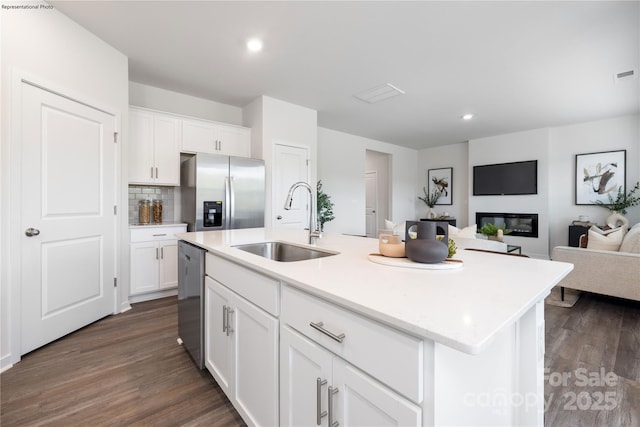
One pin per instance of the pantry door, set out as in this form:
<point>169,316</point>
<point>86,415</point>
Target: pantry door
<point>67,219</point>
<point>290,165</point>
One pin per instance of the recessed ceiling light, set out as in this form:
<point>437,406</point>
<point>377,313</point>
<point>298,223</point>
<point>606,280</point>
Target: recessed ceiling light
<point>254,45</point>
<point>467,116</point>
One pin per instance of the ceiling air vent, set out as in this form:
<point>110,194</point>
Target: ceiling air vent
<point>625,75</point>
<point>379,93</point>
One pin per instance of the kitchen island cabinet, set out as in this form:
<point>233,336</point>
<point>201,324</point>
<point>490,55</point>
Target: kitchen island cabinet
<point>241,339</point>
<point>461,354</point>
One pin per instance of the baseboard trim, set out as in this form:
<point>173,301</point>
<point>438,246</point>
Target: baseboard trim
<point>5,363</point>
<point>152,295</point>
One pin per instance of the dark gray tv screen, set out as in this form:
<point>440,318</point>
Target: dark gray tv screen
<point>506,179</point>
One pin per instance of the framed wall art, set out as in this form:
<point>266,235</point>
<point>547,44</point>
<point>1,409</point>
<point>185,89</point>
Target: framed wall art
<point>441,180</point>
<point>598,175</point>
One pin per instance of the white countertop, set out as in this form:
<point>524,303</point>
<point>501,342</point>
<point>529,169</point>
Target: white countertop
<point>162,224</point>
<point>463,308</point>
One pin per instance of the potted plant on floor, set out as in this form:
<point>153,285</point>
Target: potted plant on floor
<point>325,207</point>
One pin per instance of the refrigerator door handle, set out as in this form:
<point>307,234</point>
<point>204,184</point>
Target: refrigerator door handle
<point>228,201</point>
<point>232,203</point>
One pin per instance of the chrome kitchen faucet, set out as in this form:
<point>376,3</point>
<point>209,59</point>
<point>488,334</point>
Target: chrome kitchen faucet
<point>314,232</point>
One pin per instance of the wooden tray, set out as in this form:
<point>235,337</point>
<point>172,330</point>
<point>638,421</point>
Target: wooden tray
<point>407,263</point>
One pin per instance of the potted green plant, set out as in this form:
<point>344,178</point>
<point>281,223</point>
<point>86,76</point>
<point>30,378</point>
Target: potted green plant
<point>493,232</point>
<point>619,204</point>
<point>430,199</point>
<point>325,206</point>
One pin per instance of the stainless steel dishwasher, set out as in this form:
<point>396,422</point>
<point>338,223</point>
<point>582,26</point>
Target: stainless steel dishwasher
<point>191,300</point>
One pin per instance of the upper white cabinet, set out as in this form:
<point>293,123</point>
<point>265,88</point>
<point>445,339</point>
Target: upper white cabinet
<point>154,148</point>
<point>200,136</point>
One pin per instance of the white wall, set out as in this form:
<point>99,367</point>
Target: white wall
<point>455,156</point>
<point>56,51</point>
<point>341,167</point>
<point>274,121</point>
<point>515,147</point>
<point>178,103</point>
<point>620,133</point>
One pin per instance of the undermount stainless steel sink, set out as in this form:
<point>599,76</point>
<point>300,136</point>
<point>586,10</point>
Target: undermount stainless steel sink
<point>283,252</point>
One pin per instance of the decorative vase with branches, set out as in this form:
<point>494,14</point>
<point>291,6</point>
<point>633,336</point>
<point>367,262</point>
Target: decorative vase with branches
<point>430,199</point>
<point>619,204</point>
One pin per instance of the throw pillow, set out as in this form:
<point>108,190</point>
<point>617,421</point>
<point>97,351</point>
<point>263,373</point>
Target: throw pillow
<point>631,241</point>
<point>606,242</point>
<point>467,232</point>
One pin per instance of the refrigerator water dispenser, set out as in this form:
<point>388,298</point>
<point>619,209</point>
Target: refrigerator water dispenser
<point>212,214</point>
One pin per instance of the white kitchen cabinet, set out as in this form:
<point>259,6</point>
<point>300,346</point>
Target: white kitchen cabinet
<point>241,352</point>
<point>318,388</point>
<point>200,136</point>
<point>154,148</point>
<point>154,259</point>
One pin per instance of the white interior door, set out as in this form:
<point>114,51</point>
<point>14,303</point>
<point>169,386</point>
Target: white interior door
<point>290,165</point>
<point>371,203</point>
<point>67,214</point>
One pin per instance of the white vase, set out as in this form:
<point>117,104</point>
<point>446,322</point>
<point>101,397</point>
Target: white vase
<point>431,214</point>
<point>616,220</point>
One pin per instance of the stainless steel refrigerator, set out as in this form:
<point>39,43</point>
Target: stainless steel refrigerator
<point>222,192</point>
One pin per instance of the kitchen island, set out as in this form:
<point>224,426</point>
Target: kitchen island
<point>434,347</point>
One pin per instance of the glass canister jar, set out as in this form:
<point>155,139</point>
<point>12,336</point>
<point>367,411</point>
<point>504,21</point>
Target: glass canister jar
<point>144,211</point>
<point>157,211</point>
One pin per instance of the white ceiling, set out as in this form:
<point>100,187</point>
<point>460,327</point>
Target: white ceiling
<point>515,65</point>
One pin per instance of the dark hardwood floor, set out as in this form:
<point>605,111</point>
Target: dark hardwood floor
<point>129,370</point>
<point>593,361</point>
<point>123,370</point>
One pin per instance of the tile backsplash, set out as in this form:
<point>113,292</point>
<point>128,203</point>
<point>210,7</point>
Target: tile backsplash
<point>142,192</point>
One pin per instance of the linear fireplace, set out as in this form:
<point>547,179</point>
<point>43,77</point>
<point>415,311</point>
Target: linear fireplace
<point>524,225</point>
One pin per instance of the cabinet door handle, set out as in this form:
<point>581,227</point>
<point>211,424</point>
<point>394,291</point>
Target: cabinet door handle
<point>156,253</point>
<point>229,328</point>
<point>156,172</point>
<point>224,318</point>
<point>151,172</point>
<point>219,145</point>
<point>330,393</point>
<point>319,327</point>
<point>319,412</point>
<point>161,253</point>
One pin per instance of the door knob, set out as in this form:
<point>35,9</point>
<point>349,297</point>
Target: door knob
<point>279,217</point>
<point>31,232</point>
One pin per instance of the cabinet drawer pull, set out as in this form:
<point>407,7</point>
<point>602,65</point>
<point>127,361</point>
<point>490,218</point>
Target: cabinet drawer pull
<point>330,393</point>
<point>319,326</point>
<point>159,235</point>
<point>319,412</point>
<point>224,318</point>
<point>229,313</point>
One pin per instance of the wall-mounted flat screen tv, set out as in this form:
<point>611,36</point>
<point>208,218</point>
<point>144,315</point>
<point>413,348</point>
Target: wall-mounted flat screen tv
<point>506,179</point>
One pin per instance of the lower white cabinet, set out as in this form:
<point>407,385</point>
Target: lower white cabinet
<point>154,259</point>
<point>241,352</point>
<point>318,388</point>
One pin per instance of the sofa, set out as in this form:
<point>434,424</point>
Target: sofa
<point>607,272</point>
